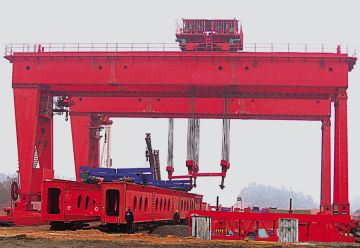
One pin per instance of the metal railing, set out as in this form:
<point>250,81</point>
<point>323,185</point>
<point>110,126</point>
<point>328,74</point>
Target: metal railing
<point>300,48</point>
<point>10,49</point>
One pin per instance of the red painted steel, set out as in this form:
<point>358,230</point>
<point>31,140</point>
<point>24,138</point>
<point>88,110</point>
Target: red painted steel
<point>70,201</point>
<point>240,108</point>
<point>148,204</point>
<point>34,131</point>
<point>94,69</point>
<point>319,228</point>
<point>66,201</point>
<point>341,199</point>
<point>325,198</point>
<point>294,86</point>
<point>21,215</point>
<point>86,141</point>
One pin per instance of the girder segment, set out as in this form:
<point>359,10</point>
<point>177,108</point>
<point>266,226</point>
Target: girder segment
<point>243,108</point>
<point>235,91</point>
<point>147,69</point>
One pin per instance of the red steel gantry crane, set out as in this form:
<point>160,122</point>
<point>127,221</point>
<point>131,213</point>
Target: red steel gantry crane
<point>189,83</point>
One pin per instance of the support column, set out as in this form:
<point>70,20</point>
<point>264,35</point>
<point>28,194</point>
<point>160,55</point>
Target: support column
<point>43,156</point>
<point>325,197</point>
<point>94,146</point>
<point>341,193</point>
<point>44,142</point>
<point>85,135</point>
<point>26,101</point>
<point>170,163</point>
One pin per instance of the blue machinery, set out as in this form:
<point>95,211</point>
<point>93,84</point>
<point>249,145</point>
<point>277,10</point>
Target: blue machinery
<point>142,176</point>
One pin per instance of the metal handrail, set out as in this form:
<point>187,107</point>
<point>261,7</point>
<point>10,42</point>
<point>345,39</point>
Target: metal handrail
<point>10,49</point>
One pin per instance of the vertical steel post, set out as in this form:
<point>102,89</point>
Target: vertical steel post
<point>170,162</point>
<point>341,199</point>
<point>85,142</point>
<point>94,143</point>
<point>325,195</point>
<point>44,136</point>
<point>26,101</point>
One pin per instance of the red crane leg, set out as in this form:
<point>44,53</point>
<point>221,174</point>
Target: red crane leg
<point>85,142</point>
<point>325,201</point>
<point>26,113</point>
<point>341,197</point>
<point>94,148</point>
<point>44,137</point>
<point>44,145</point>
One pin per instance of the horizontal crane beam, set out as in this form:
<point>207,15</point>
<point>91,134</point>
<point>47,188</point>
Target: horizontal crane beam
<point>181,69</point>
<point>240,108</point>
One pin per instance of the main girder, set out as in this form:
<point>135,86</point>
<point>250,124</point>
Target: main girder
<point>115,72</point>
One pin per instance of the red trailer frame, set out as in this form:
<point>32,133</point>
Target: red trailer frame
<point>148,203</point>
<point>77,202</point>
<point>67,201</point>
<point>319,228</point>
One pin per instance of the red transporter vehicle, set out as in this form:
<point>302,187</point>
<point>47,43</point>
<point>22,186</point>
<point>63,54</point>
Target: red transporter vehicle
<point>69,204</point>
<point>149,204</point>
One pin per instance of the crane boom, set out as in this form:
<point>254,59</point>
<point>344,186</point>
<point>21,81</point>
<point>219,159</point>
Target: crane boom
<point>153,157</point>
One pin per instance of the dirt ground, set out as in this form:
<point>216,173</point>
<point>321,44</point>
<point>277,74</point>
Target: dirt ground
<point>96,236</point>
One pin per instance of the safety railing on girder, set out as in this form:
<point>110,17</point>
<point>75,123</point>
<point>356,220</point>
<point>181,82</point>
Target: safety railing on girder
<point>10,49</point>
<point>300,48</point>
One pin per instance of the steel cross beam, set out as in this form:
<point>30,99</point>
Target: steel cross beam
<point>172,107</point>
<point>296,86</point>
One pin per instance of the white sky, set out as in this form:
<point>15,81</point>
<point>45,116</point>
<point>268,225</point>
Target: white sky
<point>272,153</point>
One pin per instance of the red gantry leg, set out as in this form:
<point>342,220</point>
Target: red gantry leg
<point>325,201</point>
<point>26,114</point>
<point>43,156</point>
<point>85,135</point>
<point>341,198</point>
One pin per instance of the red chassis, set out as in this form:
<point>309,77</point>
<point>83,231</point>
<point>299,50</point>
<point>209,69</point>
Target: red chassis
<point>66,201</point>
<point>319,228</point>
<point>290,86</point>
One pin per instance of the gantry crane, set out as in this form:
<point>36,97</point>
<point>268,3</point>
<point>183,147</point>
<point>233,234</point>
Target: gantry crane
<point>210,76</point>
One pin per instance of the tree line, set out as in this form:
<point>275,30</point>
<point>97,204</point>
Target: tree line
<point>268,196</point>
<point>4,190</point>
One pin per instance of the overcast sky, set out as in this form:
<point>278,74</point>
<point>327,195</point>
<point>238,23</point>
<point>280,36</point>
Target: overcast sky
<point>276,153</point>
